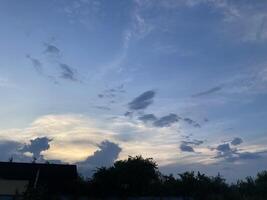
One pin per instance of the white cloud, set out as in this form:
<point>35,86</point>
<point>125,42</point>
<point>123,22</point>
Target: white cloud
<point>75,137</point>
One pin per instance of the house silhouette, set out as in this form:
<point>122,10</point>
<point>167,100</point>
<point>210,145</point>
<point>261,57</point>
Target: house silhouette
<point>16,178</point>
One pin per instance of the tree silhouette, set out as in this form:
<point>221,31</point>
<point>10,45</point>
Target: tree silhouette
<point>140,177</point>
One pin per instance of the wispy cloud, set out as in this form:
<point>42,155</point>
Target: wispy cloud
<point>51,49</point>
<point>192,122</point>
<point>208,92</point>
<point>148,118</point>
<point>105,108</point>
<point>84,12</point>
<point>167,120</point>
<point>142,101</point>
<point>68,72</point>
<point>38,66</point>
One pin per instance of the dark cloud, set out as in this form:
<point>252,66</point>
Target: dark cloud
<point>224,148</point>
<point>243,156</point>
<point>9,149</point>
<point>106,155</point>
<point>249,155</point>
<point>226,151</point>
<point>192,122</point>
<point>15,151</point>
<point>103,108</point>
<point>67,72</point>
<point>167,120</point>
<point>142,101</point>
<point>164,121</point>
<point>148,118</point>
<point>207,92</point>
<point>193,142</point>
<point>51,49</point>
<point>231,154</point>
<point>128,114</point>
<point>36,146</point>
<point>186,148</point>
<point>37,65</point>
<point>236,141</point>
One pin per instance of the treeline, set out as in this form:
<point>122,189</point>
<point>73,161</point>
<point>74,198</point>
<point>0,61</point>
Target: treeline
<point>139,177</point>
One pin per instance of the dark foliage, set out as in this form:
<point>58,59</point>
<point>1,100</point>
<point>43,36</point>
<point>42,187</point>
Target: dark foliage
<point>139,177</point>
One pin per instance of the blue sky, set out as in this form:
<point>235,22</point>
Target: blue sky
<point>89,82</point>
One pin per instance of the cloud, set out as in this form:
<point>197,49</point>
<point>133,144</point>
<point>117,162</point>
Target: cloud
<point>208,92</point>
<point>112,93</point>
<point>231,154</point>
<point>9,149</point>
<point>186,148</point>
<point>142,101</point>
<point>249,155</point>
<point>147,118</point>
<point>37,146</point>
<point>192,122</point>
<point>236,141</point>
<point>102,108</point>
<point>106,155</point>
<point>193,142</point>
<point>67,72</point>
<point>167,120</point>
<point>38,66</point>
<point>51,49</point>
<point>224,148</point>
<point>84,12</point>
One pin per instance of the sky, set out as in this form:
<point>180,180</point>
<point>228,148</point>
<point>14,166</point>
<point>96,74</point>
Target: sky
<point>89,82</point>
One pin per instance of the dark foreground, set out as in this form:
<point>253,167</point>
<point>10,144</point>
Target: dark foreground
<point>138,178</point>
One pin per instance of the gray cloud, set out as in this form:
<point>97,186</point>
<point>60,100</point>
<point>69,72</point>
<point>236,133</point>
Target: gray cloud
<point>249,155</point>
<point>164,121</point>
<point>102,108</point>
<point>142,101</point>
<point>67,72</point>
<point>167,120</point>
<point>186,148</point>
<point>192,122</point>
<point>224,148</point>
<point>51,49</point>
<point>236,141</point>
<point>193,142</point>
<point>111,93</point>
<point>231,154</point>
<point>36,146</point>
<point>106,156</point>
<point>148,118</point>
<point>9,149</point>
<point>207,92</point>
<point>37,65</point>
